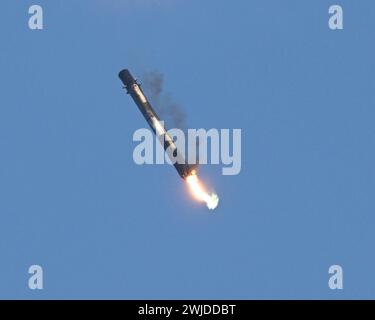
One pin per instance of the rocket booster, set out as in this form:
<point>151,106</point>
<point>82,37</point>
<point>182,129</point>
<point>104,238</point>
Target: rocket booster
<point>135,91</point>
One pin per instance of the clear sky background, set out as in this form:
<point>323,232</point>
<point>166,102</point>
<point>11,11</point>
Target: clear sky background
<point>73,201</point>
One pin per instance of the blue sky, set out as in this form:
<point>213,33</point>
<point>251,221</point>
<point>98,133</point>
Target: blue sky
<point>73,201</point>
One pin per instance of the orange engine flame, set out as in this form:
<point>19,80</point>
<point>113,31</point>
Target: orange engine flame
<point>198,191</point>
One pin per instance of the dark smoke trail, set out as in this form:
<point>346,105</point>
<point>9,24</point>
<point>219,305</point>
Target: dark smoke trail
<point>170,111</point>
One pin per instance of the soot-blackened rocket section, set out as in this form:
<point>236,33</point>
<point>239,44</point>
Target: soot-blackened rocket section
<point>135,91</point>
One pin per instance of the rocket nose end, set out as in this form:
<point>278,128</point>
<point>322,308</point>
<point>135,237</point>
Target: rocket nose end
<point>126,77</point>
